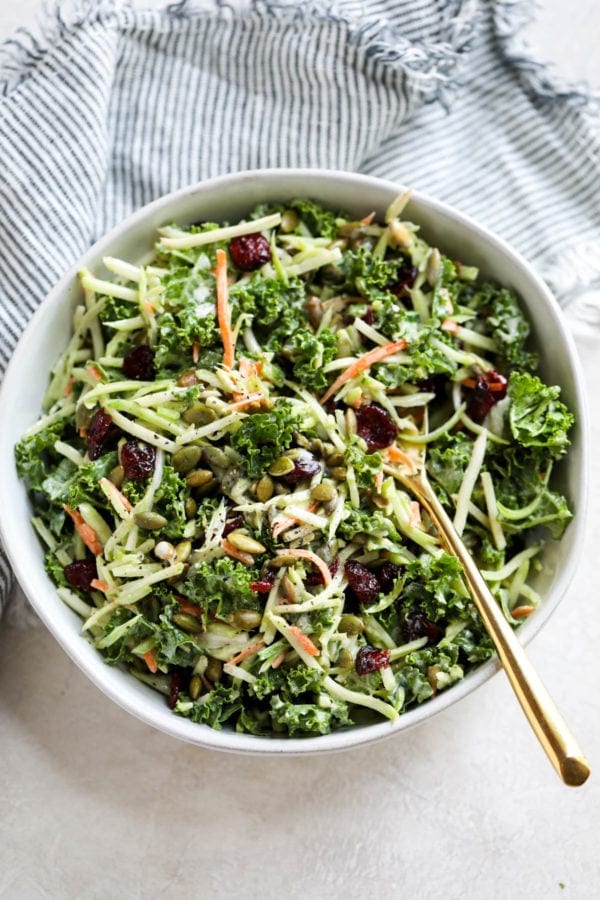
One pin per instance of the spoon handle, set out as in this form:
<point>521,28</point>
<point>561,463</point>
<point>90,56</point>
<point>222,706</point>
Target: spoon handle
<point>547,723</point>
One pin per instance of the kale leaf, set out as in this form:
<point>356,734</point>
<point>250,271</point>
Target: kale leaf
<point>537,417</point>
<point>262,437</point>
<point>221,586</point>
<point>310,352</point>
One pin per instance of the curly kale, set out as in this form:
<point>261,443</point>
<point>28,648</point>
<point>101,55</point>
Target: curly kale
<point>262,437</point>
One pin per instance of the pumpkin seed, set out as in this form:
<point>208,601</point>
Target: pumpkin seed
<point>350,229</point>
<point>195,687</point>
<point>216,458</point>
<point>282,559</point>
<point>289,221</point>
<point>282,466</point>
<point>199,478</point>
<point>187,379</point>
<point>83,416</point>
<point>400,236</point>
<point>433,272</point>
<point>198,414</point>
<point>351,624</point>
<point>344,659</point>
<point>245,543</point>
<point>183,550</point>
<point>188,623</point>
<point>184,459</point>
<point>289,589</point>
<point>314,309</point>
<point>339,473</point>
<point>324,492</point>
<point>264,489</point>
<point>151,521</point>
<point>214,669</point>
<point>117,475</point>
<point>247,619</point>
<point>333,274</point>
<point>190,507</point>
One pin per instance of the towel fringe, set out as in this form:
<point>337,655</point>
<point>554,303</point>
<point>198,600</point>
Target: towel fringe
<point>571,270</point>
<point>430,67</point>
<point>511,18</point>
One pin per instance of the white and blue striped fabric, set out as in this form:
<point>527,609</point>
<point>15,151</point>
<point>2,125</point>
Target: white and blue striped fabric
<point>111,106</point>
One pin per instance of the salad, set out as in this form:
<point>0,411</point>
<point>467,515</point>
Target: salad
<point>214,475</point>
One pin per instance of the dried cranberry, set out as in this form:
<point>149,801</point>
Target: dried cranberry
<point>489,388</point>
<point>417,626</point>
<point>433,384</point>
<point>369,316</point>
<point>370,659</point>
<point>387,575</point>
<point>362,581</point>
<point>263,586</point>
<point>405,278</point>
<point>176,686</point>
<point>138,459</point>
<point>232,524</point>
<point>374,425</point>
<point>315,577</point>
<point>81,573</point>
<point>250,251</point>
<point>304,467</point>
<point>101,434</point>
<point>138,363</point>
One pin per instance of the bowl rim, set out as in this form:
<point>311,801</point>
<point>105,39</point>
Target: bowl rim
<point>109,679</point>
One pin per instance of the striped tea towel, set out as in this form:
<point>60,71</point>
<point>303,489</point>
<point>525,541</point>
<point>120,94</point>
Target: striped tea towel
<point>111,106</point>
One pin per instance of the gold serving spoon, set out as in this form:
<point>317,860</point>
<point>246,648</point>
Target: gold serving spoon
<point>546,721</point>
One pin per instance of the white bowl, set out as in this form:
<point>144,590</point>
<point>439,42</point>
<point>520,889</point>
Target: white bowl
<point>231,197</point>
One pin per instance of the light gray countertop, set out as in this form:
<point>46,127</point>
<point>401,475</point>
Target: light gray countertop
<point>96,804</point>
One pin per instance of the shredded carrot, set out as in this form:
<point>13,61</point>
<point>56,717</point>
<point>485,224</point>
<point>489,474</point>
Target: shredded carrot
<point>190,608</point>
<point>69,387</point>
<point>232,551</point>
<point>279,659</point>
<point>362,364</point>
<point>150,659</point>
<point>224,310</point>
<point>304,640</point>
<point>396,455</point>
<point>85,531</point>
<point>244,654</point>
<point>288,521</point>
<point>99,585</point>
<point>283,525</point>
<point>83,432</point>
<point>195,353</point>
<point>313,558</point>
<point>521,611</point>
<point>469,383</point>
<point>149,307</point>
<point>95,373</point>
<point>414,514</point>
<point>367,219</point>
<point>248,368</point>
<point>378,479</point>
<point>449,325</point>
<point>246,401</point>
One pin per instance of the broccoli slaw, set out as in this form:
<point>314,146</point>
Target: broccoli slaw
<point>213,475</point>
